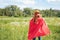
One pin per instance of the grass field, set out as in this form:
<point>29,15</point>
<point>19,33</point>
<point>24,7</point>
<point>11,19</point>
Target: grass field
<point>12,28</point>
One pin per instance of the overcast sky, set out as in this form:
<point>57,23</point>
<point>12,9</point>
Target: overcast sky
<point>34,4</point>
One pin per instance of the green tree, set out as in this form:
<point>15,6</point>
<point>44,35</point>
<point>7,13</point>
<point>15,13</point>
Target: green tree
<point>27,12</point>
<point>13,10</point>
<point>2,12</point>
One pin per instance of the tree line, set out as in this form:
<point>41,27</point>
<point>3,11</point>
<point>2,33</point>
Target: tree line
<point>15,11</point>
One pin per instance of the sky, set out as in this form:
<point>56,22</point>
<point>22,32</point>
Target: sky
<point>34,4</point>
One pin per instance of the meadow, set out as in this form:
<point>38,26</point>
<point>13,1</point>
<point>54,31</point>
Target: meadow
<point>16,28</point>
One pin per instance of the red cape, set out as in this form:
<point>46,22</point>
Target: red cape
<point>37,29</point>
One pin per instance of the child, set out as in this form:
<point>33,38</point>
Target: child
<point>37,27</point>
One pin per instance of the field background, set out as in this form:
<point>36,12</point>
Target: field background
<point>16,28</point>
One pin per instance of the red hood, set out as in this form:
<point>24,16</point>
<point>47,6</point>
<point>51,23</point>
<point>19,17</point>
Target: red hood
<point>37,29</point>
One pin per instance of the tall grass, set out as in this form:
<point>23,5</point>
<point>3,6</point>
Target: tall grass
<point>17,28</point>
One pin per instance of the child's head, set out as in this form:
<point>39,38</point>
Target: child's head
<point>36,13</point>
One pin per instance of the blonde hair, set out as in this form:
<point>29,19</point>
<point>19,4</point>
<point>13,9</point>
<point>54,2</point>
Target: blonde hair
<point>36,10</point>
